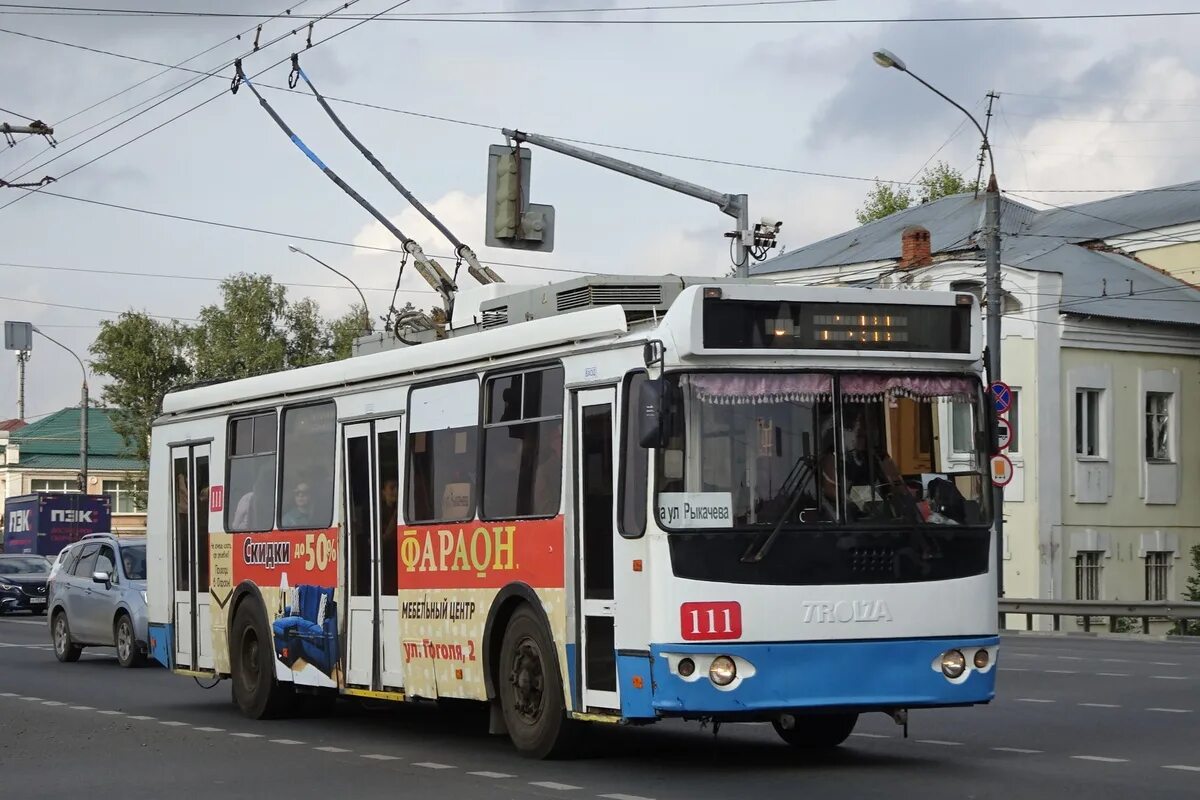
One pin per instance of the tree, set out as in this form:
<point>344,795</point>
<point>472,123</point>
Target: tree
<point>243,336</point>
<point>345,329</point>
<point>1193,590</point>
<point>934,183</point>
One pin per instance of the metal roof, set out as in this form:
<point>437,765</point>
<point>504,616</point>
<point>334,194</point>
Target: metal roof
<point>57,435</point>
<point>1095,282</point>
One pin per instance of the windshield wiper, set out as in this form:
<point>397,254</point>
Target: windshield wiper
<point>804,468</point>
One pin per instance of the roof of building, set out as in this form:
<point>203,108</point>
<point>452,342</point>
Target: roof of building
<point>53,442</point>
<point>1095,282</point>
<point>12,424</point>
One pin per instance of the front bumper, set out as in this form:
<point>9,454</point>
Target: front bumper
<point>22,601</point>
<point>861,675</point>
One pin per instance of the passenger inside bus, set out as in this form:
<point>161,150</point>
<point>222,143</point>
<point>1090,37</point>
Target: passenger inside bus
<point>300,514</point>
<point>389,495</point>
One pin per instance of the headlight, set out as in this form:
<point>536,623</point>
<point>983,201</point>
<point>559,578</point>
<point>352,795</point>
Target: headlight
<point>953,663</point>
<point>686,667</point>
<point>981,659</point>
<point>7,586</point>
<point>722,671</point>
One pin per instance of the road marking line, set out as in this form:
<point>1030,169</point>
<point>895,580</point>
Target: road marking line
<point>1116,660</point>
<point>1014,669</point>
<point>209,730</point>
<point>433,765</point>
<point>82,708</point>
<point>486,774</point>
<point>560,787</point>
<point>1022,655</point>
<point>247,735</point>
<point>625,797</point>
<point>142,717</point>
<point>1172,710</point>
<point>1105,759</point>
<point>1033,700</point>
<point>1070,658</point>
<point>1062,671</point>
<point>1169,677</point>
<point>332,749</point>
<point>871,735</point>
<point>1181,766</point>
<point>1114,674</point>
<point>381,757</point>
<point>1022,750</point>
<point>112,713</point>
<point>52,703</point>
<point>286,741</point>
<point>1165,664</point>
<point>9,694</point>
<point>173,724</point>
<point>940,741</point>
<point>1100,705</point>
<point>32,699</point>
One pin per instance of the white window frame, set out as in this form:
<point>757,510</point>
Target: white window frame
<point>72,486</point>
<point>122,490</point>
<point>1150,422</point>
<point>1090,564</point>
<point>1158,571</point>
<point>1159,481</point>
<point>1082,429</point>
<point>1092,476</point>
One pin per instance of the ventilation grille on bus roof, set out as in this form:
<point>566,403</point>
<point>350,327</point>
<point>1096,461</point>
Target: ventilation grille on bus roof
<point>494,317</point>
<point>609,295</point>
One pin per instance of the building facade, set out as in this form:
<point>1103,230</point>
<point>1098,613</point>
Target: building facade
<point>44,457</point>
<point>1101,345</point>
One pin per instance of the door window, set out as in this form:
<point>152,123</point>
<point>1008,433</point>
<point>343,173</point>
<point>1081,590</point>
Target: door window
<point>107,563</point>
<point>86,564</point>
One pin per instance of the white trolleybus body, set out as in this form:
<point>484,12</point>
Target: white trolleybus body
<point>612,501</point>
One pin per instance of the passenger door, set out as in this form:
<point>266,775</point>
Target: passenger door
<point>79,590</point>
<point>193,614</point>
<point>371,514</point>
<point>95,620</point>
<point>595,483</point>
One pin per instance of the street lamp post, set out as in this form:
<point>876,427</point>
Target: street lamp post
<point>991,238</point>
<point>366,311</point>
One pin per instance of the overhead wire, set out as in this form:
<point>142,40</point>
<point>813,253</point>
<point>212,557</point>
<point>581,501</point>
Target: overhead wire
<point>196,107</point>
<point>127,89</point>
<point>15,114</point>
<point>88,308</point>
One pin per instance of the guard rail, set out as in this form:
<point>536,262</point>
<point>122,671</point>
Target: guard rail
<point>1180,612</point>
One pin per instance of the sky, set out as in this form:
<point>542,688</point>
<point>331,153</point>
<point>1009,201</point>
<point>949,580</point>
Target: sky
<point>1085,108</point>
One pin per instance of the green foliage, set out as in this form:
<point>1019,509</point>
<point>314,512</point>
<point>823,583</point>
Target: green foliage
<point>253,330</point>
<point>934,183</point>
<point>1192,591</point>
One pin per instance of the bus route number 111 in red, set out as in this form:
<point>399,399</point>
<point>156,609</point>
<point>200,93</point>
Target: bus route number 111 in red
<point>710,621</point>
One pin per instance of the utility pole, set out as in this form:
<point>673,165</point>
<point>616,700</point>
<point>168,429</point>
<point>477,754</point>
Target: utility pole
<point>22,358</point>
<point>991,251</point>
<point>992,97</point>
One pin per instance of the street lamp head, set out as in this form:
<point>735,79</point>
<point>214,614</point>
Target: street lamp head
<point>295,249</point>
<point>886,58</point>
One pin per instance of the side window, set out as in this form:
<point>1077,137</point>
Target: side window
<point>522,445</point>
<point>443,440</point>
<point>106,563</point>
<point>306,491</point>
<point>86,564</point>
<point>632,484</point>
<point>251,481</point>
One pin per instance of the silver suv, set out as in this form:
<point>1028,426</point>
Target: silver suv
<point>97,598</point>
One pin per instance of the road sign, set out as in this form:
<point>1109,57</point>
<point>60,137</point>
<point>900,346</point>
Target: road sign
<point>1001,396</point>
<point>1002,470</point>
<point>1004,433</point>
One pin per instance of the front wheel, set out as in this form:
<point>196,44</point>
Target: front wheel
<point>65,649</point>
<point>531,692</point>
<point>128,654</point>
<point>816,731</point>
<point>252,665</point>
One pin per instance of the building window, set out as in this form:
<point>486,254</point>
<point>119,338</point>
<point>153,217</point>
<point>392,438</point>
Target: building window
<point>53,485</point>
<point>1158,571</point>
<point>1087,422</point>
<point>1087,574</point>
<point>522,446</point>
<point>443,443</point>
<point>1014,421</point>
<point>251,481</point>
<point>120,497</point>
<point>1158,426</point>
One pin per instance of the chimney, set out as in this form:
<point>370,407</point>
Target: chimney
<point>915,250</point>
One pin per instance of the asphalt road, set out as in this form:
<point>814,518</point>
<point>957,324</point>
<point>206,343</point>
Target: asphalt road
<point>1076,717</point>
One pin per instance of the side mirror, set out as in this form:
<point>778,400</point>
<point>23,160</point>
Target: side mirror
<point>657,413</point>
<point>102,577</point>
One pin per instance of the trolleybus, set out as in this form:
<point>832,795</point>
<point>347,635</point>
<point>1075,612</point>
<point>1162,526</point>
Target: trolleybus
<point>606,500</point>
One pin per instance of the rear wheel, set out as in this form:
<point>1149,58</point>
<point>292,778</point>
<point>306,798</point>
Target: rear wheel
<point>815,731</point>
<point>65,649</point>
<point>128,654</point>
<point>252,665</point>
<point>531,691</point>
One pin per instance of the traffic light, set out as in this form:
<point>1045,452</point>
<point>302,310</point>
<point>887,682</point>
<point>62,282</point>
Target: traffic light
<point>512,221</point>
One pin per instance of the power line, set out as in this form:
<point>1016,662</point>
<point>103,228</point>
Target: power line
<point>88,308</point>
<point>15,114</point>
<point>298,236</point>
<point>1081,98</point>
<point>193,108</point>
<point>467,17</point>
<point>144,81</point>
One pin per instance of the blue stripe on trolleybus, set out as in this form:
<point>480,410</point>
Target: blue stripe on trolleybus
<point>162,643</point>
<point>891,673</point>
